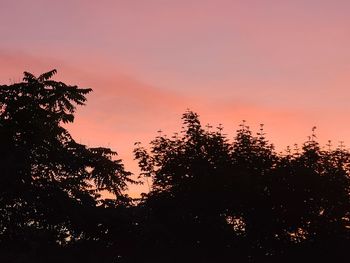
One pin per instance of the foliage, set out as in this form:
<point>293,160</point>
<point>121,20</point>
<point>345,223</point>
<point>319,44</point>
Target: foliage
<point>50,185</point>
<point>214,200</point>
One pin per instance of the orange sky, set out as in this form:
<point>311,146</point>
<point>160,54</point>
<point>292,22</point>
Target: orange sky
<point>282,63</point>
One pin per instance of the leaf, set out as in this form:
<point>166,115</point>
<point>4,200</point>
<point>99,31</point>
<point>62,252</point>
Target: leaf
<point>47,75</point>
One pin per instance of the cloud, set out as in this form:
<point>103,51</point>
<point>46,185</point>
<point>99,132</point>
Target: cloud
<point>124,108</point>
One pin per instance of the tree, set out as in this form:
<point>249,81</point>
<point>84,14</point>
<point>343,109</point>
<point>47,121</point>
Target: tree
<point>190,207</point>
<point>310,196</point>
<point>50,185</point>
<point>213,200</point>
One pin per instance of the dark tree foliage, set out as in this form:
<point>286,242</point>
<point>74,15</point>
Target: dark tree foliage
<point>212,200</point>
<point>50,185</point>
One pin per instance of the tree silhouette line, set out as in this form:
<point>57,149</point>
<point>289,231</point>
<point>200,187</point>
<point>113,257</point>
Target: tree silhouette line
<point>211,199</point>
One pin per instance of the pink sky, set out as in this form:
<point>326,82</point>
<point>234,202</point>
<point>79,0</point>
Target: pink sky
<point>282,63</point>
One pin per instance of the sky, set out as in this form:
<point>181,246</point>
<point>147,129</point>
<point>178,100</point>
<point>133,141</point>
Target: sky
<point>282,63</point>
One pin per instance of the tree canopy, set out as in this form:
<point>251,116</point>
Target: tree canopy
<point>50,185</point>
<point>212,199</point>
<point>217,200</point>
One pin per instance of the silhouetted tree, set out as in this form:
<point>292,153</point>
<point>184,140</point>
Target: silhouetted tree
<point>50,185</point>
<point>310,192</point>
<point>192,206</point>
<point>212,200</point>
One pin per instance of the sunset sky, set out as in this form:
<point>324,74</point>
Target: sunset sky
<point>284,63</point>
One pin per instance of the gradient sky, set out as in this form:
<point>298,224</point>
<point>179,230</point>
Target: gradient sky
<point>282,63</point>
